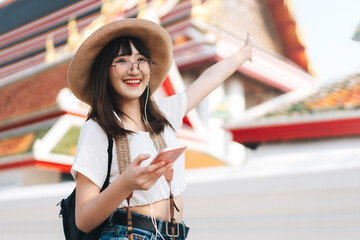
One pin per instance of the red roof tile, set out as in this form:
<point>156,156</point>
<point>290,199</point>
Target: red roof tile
<point>330,112</point>
<point>339,96</point>
<point>34,93</point>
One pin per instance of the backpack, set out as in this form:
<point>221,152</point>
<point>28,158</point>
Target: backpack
<point>67,211</point>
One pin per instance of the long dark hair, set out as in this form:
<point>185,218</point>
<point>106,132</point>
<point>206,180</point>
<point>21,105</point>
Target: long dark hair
<point>102,92</point>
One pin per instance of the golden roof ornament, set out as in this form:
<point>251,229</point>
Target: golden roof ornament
<point>50,49</point>
<point>117,9</point>
<point>157,4</point>
<point>75,38</point>
<point>109,10</point>
<point>155,10</point>
<point>202,11</point>
<point>142,9</point>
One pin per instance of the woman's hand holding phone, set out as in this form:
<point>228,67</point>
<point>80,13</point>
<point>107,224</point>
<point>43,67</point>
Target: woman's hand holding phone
<point>143,178</point>
<point>169,155</point>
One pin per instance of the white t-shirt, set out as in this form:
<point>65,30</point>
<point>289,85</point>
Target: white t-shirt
<point>91,154</point>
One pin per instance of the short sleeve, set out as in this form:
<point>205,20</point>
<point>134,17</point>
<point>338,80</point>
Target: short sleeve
<point>91,156</point>
<point>174,108</point>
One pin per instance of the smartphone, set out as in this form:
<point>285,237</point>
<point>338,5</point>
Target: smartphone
<point>169,155</point>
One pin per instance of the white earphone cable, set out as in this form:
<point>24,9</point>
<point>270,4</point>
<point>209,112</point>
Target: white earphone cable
<point>153,217</point>
<point>153,220</point>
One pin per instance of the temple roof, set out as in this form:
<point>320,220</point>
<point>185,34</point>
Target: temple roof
<point>24,45</point>
<point>16,17</point>
<point>49,144</point>
<point>30,88</point>
<point>35,93</point>
<point>35,84</point>
<point>328,111</point>
<point>340,96</point>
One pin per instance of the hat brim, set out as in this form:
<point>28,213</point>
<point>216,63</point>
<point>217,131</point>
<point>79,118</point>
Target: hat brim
<point>153,36</point>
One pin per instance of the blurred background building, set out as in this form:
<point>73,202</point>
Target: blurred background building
<point>270,156</point>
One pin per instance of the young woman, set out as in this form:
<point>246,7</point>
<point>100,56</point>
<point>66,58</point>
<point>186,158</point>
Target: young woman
<point>115,71</point>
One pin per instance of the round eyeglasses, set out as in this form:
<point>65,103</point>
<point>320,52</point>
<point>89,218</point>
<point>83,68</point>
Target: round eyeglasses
<point>122,67</point>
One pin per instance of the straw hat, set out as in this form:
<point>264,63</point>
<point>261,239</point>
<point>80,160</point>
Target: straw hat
<point>152,35</point>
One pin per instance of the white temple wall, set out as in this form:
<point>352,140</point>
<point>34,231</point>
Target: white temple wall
<point>222,203</point>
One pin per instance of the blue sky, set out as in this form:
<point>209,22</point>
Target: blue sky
<point>329,26</point>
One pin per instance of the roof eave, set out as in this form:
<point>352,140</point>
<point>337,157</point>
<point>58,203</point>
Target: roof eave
<point>325,128</point>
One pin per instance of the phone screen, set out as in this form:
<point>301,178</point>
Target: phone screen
<point>169,154</point>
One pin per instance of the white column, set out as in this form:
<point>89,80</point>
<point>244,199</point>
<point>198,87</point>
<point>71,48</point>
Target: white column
<point>235,93</point>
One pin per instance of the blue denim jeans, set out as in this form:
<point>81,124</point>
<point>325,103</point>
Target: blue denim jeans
<point>119,232</point>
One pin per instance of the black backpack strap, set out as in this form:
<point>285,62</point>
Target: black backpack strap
<point>110,156</point>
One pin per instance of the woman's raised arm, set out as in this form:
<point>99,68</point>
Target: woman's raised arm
<point>212,77</point>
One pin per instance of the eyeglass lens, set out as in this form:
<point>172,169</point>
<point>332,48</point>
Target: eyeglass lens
<point>145,66</point>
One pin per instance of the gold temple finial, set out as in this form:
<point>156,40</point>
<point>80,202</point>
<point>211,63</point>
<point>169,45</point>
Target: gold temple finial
<point>142,8</point>
<point>196,3</point>
<point>155,10</point>
<point>203,11</point>
<point>157,4</point>
<point>74,39</point>
<point>50,49</point>
<point>110,9</point>
<point>106,10</point>
<point>197,9</point>
<point>117,8</point>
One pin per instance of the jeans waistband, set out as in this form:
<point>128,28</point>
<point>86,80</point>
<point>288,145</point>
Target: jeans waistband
<point>144,222</point>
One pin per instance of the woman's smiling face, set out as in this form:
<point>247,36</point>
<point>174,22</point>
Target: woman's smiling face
<point>128,83</point>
